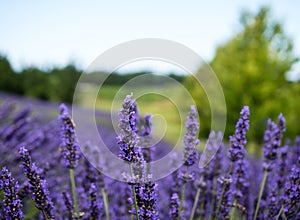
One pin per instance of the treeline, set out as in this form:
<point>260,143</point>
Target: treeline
<point>117,79</point>
<point>56,84</point>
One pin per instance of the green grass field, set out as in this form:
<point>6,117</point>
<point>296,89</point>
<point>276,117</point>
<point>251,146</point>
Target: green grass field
<point>166,112</point>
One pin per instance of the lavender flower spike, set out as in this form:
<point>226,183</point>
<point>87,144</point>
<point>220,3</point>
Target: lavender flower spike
<point>146,139</point>
<point>272,141</point>
<point>95,205</point>
<point>70,144</point>
<point>148,196</point>
<point>146,129</point>
<point>127,139</point>
<point>190,139</point>
<point>174,207</point>
<point>238,140</point>
<point>69,205</point>
<point>40,193</point>
<point>11,202</point>
<point>225,197</point>
<point>291,195</point>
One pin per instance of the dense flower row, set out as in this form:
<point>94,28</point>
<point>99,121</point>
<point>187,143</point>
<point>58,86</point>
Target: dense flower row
<point>62,184</point>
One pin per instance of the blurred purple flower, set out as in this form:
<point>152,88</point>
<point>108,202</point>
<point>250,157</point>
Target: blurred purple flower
<point>174,207</point>
<point>190,139</point>
<point>282,165</point>
<point>236,149</point>
<point>145,140</point>
<point>22,114</point>
<point>291,196</point>
<point>69,205</point>
<point>146,129</point>
<point>272,141</point>
<point>296,150</point>
<point>95,205</point>
<point>6,109</point>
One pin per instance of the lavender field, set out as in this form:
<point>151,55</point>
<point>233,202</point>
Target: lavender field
<point>45,173</point>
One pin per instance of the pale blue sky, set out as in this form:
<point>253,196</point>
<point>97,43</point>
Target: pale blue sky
<point>46,33</point>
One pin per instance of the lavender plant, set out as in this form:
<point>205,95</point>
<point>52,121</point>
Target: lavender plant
<point>237,172</point>
<point>40,193</point>
<point>291,196</point>
<point>272,141</point>
<point>190,141</point>
<point>128,140</point>
<point>70,148</point>
<point>95,205</point>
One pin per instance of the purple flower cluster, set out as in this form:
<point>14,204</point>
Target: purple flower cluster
<point>148,197</point>
<point>174,206</point>
<point>70,145</point>
<point>69,205</point>
<point>240,178</point>
<point>95,205</point>
<point>146,139</point>
<point>11,202</point>
<point>228,187</point>
<point>190,139</point>
<point>238,140</point>
<point>224,197</point>
<point>40,193</point>
<point>210,181</point>
<point>291,196</point>
<point>272,141</point>
<point>128,138</point>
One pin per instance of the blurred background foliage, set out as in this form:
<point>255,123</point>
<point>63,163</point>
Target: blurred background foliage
<point>252,68</point>
<point>57,84</point>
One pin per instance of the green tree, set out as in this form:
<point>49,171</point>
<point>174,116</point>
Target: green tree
<point>9,81</point>
<point>62,83</point>
<point>35,83</point>
<point>252,69</point>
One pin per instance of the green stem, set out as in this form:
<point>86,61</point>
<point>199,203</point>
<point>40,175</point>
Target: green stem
<point>135,203</point>
<point>73,185</point>
<point>182,200</point>
<point>279,214</point>
<point>232,211</point>
<point>220,201</point>
<point>105,201</point>
<point>195,203</point>
<point>260,193</point>
<point>182,195</point>
<point>212,208</point>
<point>44,214</point>
<point>134,198</point>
